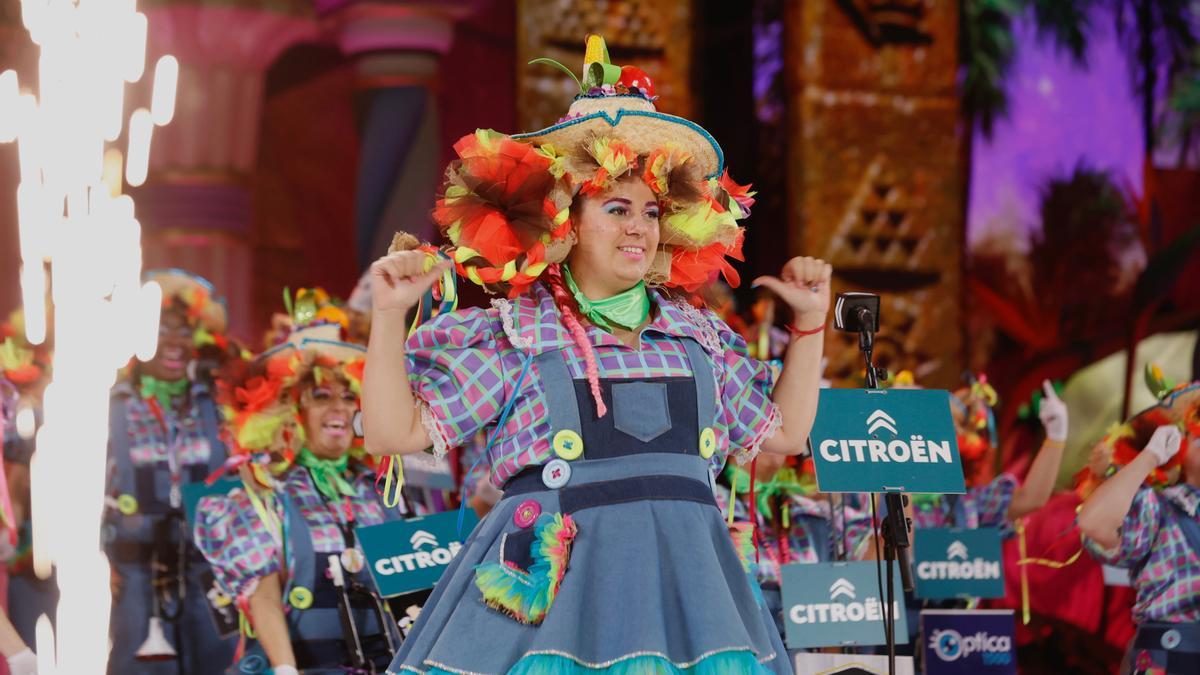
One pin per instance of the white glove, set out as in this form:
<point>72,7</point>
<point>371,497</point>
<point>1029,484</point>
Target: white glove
<point>1053,413</point>
<point>1165,443</point>
<point>23,663</point>
<point>285,670</point>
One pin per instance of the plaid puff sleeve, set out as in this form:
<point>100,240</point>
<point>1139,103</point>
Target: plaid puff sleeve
<point>235,542</point>
<point>992,500</point>
<point>457,373</point>
<point>748,416</point>
<point>1137,533</point>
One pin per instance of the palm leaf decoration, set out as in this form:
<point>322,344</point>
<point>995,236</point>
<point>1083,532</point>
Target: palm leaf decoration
<point>987,47</point>
<point>986,53</point>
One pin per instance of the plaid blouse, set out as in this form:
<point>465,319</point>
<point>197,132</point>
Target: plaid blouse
<point>148,440</point>
<point>242,550</point>
<point>1165,570</point>
<point>464,368</point>
<point>982,506</point>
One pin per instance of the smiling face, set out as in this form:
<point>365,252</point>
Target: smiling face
<point>618,238</point>
<point>174,347</point>
<point>327,410</point>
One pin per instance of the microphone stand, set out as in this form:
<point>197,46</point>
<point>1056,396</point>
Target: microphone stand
<point>348,588</point>
<point>895,526</point>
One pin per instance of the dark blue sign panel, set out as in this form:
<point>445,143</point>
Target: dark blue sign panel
<point>958,642</point>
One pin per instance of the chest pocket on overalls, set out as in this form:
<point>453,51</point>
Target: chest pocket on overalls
<point>640,409</point>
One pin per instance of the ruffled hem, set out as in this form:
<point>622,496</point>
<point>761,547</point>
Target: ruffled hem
<point>774,423</point>
<point>433,427</point>
<point>729,662</point>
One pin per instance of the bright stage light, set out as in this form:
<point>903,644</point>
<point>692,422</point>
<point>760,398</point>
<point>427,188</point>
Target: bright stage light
<point>150,308</point>
<point>137,160</point>
<point>44,644</point>
<point>72,215</point>
<point>166,78</point>
<point>26,421</point>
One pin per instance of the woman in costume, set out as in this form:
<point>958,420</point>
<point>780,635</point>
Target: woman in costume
<point>307,488</point>
<point>164,433</point>
<point>609,401</point>
<point>1145,519</point>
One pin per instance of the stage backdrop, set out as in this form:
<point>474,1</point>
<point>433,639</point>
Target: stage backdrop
<point>655,35</point>
<point>876,171</point>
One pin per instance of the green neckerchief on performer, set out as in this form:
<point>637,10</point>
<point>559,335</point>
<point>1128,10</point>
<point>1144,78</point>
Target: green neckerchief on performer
<point>327,474</point>
<point>628,309</point>
<point>163,391</point>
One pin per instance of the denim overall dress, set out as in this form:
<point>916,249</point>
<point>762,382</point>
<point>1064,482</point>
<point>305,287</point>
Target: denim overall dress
<point>148,525</point>
<point>653,582</point>
<point>313,617</point>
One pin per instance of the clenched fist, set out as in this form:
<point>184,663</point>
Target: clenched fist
<point>398,280</point>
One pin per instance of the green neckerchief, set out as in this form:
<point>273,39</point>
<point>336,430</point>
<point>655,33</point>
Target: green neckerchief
<point>327,474</point>
<point>162,391</point>
<point>628,309</point>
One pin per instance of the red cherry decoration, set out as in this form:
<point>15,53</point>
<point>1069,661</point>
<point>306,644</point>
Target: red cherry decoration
<point>634,77</point>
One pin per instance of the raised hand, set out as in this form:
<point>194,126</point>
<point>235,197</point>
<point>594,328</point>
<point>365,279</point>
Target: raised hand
<point>804,285</point>
<point>398,280</point>
<point>1165,443</point>
<point>1053,413</point>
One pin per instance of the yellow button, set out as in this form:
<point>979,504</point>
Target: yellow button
<point>708,442</point>
<point>127,504</point>
<point>219,599</point>
<point>567,444</point>
<point>300,597</point>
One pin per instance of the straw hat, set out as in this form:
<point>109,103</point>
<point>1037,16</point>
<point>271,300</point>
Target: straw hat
<point>259,397</point>
<point>506,203</point>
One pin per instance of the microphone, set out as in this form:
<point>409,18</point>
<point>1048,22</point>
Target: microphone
<point>856,312</point>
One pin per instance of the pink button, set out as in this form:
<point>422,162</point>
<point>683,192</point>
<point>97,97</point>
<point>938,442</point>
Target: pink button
<point>527,513</point>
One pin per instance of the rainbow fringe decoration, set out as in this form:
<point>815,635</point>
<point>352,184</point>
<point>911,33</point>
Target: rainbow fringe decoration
<point>527,595</point>
<point>742,534</point>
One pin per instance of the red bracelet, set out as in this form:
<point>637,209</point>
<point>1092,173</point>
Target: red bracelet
<point>796,332</point>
